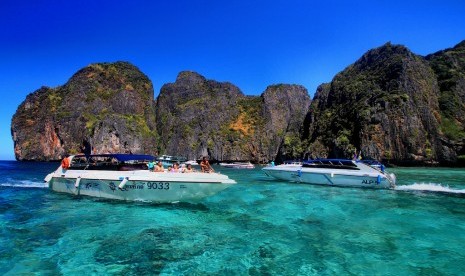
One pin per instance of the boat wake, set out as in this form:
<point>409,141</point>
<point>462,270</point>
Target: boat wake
<point>24,184</point>
<point>431,187</point>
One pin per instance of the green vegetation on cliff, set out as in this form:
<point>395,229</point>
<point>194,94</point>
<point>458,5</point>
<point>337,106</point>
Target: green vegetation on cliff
<point>449,66</point>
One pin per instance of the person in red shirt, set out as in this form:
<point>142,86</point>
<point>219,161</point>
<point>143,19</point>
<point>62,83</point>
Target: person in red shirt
<point>65,162</point>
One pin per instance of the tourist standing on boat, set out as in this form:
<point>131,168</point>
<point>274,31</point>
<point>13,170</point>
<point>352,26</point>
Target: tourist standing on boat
<point>205,166</point>
<point>65,163</point>
<point>175,167</point>
<point>357,157</point>
<point>86,148</point>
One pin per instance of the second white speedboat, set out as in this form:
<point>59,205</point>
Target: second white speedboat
<point>335,172</point>
<point>126,177</point>
<point>238,165</point>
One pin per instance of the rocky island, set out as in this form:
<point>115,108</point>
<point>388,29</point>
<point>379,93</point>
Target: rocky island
<point>391,105</point>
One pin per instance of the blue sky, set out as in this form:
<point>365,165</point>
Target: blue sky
<point>251,44</point>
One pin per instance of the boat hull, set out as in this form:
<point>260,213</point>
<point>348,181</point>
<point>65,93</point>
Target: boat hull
<point>328,177</point>
<point>140,185</point>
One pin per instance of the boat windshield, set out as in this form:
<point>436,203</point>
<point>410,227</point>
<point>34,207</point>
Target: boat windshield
<point>345,164</point>
<point>371,162</point>
<point>111,162</point>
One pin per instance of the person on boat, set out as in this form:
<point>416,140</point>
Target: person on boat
<point>189,169</point>
<point>151,166</point>
<point>175,167</point>
<point>65,163</point>
<point>357,157</point>
<point>205,166</point>
<point>86,148</point>
<point>170,169</point>
<point>159,167</point>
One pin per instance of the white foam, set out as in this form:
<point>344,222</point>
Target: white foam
<point>430,187</point>
<point>24,184</point>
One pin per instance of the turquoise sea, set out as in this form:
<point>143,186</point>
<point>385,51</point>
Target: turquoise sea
<point>259,227</point>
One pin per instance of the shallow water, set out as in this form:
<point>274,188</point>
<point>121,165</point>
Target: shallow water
<point>258,227</point>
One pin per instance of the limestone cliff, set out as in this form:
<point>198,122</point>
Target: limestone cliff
<point>449,66</point>
<point>198,117</point>
<point>190,114</point>
<point>391,104</point>
<point>284,110</point>
<point>110,105</point>
<point>386,104</point>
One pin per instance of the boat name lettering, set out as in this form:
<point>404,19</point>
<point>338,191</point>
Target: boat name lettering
<point>368,181</point>
<point>91,185</point>
<point>133,187</point>
<point>159,185</point>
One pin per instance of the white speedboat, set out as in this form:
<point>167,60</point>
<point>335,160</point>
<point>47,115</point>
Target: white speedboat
<point>192,162</point>
<point>126,177</point>
<point>169,160</point>
<point>238,165</point>
<point>292,163</point>
<point>335,172</point>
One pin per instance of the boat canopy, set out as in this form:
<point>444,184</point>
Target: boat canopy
<point>121,157</point>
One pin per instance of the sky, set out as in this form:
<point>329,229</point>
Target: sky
<point>252,44</point>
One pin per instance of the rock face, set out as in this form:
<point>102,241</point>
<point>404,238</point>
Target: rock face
<point>110,105</point>
<point>386,104</point>
<point>198,117</point>
<point>192,112</point>
<point>449,66</point>
<point>390,104</point>
<point>284,110</point>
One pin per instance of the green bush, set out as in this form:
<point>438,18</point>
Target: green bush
<point>451,129</point>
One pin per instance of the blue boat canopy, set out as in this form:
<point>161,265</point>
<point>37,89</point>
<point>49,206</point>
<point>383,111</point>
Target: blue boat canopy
<point>122,157</point>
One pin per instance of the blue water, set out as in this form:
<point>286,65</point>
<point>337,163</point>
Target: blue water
<point>258,227</point>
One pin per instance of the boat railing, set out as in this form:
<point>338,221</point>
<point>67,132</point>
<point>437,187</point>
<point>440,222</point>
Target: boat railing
<point>331,164</point>
<point>292,162</point>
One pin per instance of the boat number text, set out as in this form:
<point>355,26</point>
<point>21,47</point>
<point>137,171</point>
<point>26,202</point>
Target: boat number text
<point>159,185</point>
<point>367,181</point>
<point>91,185</point>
